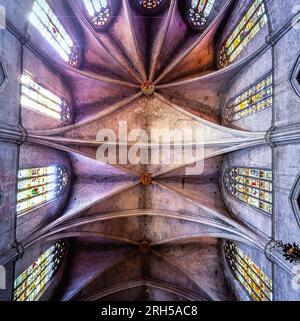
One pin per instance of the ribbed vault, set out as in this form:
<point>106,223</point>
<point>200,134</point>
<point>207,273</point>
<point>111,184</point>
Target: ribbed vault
<point>129,239</point>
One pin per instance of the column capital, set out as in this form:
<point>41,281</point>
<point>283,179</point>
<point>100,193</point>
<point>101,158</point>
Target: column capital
<point>268,136</point>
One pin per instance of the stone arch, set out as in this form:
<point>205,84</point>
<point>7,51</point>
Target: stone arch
<point>295,77</point>
<point>295,199</point>
<point>3,74</point>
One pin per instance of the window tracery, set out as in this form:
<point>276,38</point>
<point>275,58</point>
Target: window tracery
<point>256,98</point>
<point>37,186</point>
<point>100,12</point>
<point>252,186</point>
<point>251,277</point>
<point>30,284</point>
<point>45,21</point>
<point>199,12</point>
<point>39,99</point>
<point>248,27</point>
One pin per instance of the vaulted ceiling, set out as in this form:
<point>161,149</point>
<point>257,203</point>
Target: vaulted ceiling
<point>129,239</point>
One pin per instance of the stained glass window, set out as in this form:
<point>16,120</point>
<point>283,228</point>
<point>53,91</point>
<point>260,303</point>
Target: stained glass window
<point>44,20</point>
<point>250,185</point>
<point>99,11</point>
<point>199,11</point>
<point>36,97</point>
<point>33,281</point>
<point>252,278</point>
<point>254,99</point>
<point>37,186</point>
<point>251,23</point>
<point>150,4</point>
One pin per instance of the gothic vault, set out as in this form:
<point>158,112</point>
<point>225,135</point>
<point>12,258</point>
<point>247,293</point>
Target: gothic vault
<point>72,75</point>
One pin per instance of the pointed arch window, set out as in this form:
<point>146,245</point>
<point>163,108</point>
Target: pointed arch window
<point>38,186</point>
<point>99,12</point>
<point>44,20</point>
<point>256,98</point>
<point>252,186</point>
<point>39,99</point>
<point>199,12</point>
<point>251,277</point>
<point>31,284</point>
<point>249,26</point>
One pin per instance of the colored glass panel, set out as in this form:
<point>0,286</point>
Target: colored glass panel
<point>99,11</point>
<point>37,186</point>
<point>39,99</point>
<point>29,285</point>
<point>249,26</point>
<point>45,21</point>
<point>251,277</point>
<point>150,4</point>
<point>200,11</point>
<point>254,99</point>
<point>251,186</point>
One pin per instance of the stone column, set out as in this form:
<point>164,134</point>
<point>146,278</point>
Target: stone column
<point>14,134</point>
<point>284,135</point>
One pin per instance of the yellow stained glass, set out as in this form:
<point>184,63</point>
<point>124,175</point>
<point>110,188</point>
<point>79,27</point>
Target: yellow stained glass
<point>150,4</point>
<point>251,23</point>
<point>252,278</point>
<point>29,285</point>
<point>257,98</point>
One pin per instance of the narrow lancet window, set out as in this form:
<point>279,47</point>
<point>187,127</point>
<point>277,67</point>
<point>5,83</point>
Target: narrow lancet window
<point>31,284</point>
<point>249,26</point>
<point>45,21</point>
<point>251,277</point>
